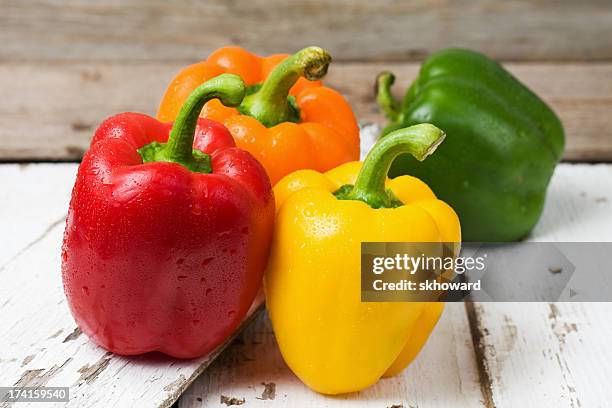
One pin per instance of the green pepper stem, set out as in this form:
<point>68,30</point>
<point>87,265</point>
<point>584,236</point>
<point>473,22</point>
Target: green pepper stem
<point>419,140</point>
<point>229,89</point>
<point>269,105</point>
<point>384,98</point>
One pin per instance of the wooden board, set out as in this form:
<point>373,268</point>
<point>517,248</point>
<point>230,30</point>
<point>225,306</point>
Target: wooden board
<point>253,370</point>
<point>526,354</point>
<point>557,354</point>
<point>39,342</point>
<point>51,112</point>
<point>158,30</point>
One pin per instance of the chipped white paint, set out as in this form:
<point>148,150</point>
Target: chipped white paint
<point>534,354</point>
<point>556,355</point>
<point>39,341</point>
<point>444,375</point>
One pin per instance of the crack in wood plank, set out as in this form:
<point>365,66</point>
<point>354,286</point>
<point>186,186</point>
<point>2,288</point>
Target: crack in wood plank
<point>175,384</point>
<point>56,334</point>
<point>560,330</point>
<point>478,340</point>
<point>174,396</point>
<point>35,241</point>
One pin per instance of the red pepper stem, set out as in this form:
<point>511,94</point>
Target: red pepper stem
<point>229,89</point>
<point>418,140</point>
<point>386,102</point>
<point>269,105</point>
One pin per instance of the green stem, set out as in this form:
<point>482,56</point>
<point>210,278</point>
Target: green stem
<point>229,89</point>
<point>418,140</point>
<point>386,102</point>
<point>270,105</point>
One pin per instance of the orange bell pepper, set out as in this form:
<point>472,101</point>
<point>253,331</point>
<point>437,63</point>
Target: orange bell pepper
<point>288,120</point>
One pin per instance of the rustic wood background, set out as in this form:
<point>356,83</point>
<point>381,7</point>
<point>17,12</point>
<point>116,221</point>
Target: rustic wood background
<point>353,30</point>
<point>66,65</point>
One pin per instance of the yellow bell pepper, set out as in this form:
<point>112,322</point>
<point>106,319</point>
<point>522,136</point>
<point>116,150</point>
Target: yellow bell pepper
<point>330,339</point>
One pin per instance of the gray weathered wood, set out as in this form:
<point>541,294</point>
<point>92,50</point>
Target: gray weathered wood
<point>352,29</point>
<point>51,112</point>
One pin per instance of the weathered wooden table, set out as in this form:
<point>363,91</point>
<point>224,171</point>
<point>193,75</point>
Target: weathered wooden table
<point>65,67</point>
<point>510,354</point>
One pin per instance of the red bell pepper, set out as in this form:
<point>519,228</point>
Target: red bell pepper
<point>165,244</point>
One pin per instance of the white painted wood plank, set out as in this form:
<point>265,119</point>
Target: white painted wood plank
<point>547,355</point>
<point>550,361</point>
<point>443,375</point>
<point>578,205</point>
<point>558,354</point>
<point>445,372</point>
<point>535,354</point>
<point>39,341</point>
<point>32,201</point>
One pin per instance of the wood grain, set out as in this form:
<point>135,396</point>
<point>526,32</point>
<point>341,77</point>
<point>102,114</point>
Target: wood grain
<point>158,30</point>
<point>554,354</point>
<point>444,375</point>
<point>525,354</point>
<point>532,354</point>
<point>547,355</point>
<point>50,112</point>
<point>40,345</point>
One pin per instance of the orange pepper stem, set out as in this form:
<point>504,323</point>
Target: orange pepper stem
<point>419,140</point>
<point>229,89</point>
<point>270,104</point>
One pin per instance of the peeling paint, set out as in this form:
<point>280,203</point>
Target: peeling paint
<point>27,360</point>
<point>175,384</point>
<point>56,334</point>
<point>90,373</point>
<point>229,401</point>
<point>560,328</point>
<point>554,311</point>
<point>269,392</point>
<point>39,377</point>
<point>73,336</point>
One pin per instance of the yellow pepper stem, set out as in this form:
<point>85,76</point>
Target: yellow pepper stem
<point>419,140</point>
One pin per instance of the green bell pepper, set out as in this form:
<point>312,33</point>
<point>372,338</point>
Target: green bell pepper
<point>502,144</point>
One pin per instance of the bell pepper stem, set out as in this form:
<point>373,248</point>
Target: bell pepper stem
<point>270,104</point>
<point>229,89</point>
<point>384,98</point>
<point>419,140</point>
